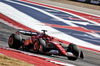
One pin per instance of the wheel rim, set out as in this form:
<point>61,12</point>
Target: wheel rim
<point>35,46</point>
<point>40,48</point>
<point>10,41</point>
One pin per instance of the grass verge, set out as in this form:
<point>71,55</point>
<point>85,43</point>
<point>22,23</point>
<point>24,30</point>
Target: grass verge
<point>8,61</point>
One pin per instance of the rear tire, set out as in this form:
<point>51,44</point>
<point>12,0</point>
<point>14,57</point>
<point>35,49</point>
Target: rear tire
<point>15,41</point>
<point>75,50</point>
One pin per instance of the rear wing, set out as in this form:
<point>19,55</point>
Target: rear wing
<point>28,33</point>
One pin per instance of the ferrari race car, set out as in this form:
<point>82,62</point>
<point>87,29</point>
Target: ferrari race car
<point>43,43</point>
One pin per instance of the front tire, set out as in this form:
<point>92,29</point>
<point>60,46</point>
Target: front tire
<point>15,41</point>
<point>75,50</point>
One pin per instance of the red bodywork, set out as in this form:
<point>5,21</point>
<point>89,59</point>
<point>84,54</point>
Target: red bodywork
<point>49,40</point>
<point>43,43</point>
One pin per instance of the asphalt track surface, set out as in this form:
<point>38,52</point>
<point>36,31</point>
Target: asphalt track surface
<point>91,58</point>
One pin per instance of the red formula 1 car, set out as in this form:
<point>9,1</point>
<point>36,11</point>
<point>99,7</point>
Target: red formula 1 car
<point>43,43</point>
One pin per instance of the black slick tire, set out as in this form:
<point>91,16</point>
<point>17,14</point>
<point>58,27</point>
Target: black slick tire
<point>75,50</point>
<point>15,41</point>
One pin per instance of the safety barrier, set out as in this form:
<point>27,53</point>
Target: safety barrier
<point>96,2</point>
